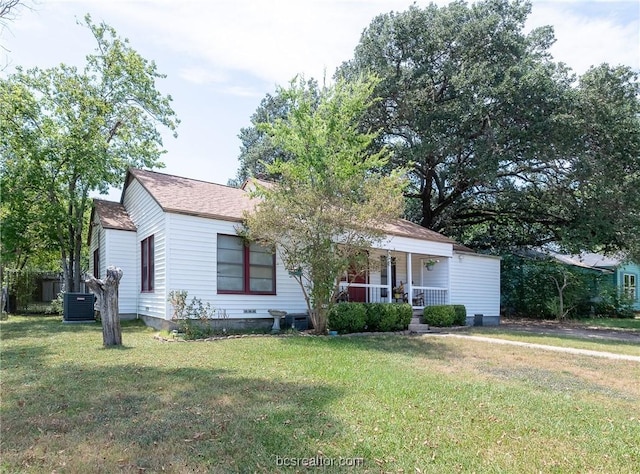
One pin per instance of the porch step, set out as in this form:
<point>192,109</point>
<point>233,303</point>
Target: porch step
<point>418,328</point>
<point>415,319</point>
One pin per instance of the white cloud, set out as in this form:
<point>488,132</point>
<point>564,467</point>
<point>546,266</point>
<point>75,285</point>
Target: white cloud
<point>200,75</point>
<point>275,40</point>
<point>585,40</point>
<point>272,40</point>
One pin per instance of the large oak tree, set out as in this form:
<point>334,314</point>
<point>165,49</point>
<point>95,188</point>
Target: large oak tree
<point>504,146</point>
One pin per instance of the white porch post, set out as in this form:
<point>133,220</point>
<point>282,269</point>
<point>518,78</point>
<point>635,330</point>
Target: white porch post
<point>409,280</point>
<point>389,283</point>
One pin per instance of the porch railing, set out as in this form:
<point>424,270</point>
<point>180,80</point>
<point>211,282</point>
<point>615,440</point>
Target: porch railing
<point>421,296</point>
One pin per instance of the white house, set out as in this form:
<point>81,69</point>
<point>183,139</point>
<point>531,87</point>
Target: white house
<point>173,233</point>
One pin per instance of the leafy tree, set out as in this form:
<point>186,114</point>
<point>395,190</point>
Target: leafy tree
<point>65,133</point>
<point>502,149</point>
<point>258,150</point>
<point>539,286</point>
<point>331,201</point>
<point>605,205</point>
<point>470,102</point>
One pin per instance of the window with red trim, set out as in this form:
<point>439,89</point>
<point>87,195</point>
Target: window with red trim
<point>146,264</point>
<point>245,268</point>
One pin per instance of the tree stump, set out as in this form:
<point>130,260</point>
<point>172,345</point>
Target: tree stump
<point>107,292</point>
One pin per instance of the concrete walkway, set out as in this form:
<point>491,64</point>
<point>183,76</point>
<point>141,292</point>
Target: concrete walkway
<point>570,350</point>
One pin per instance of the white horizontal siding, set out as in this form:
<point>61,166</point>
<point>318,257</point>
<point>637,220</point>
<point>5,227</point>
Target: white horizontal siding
<point>416,246</point>
<point>191,260</point>
<point>120,252</point>
<point>149,219</point>
<point>475,283</point>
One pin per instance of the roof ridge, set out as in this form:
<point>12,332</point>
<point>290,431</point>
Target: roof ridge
<point>135,170</point>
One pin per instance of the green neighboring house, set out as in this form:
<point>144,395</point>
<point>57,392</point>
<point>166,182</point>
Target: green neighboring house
<point>623,275</point>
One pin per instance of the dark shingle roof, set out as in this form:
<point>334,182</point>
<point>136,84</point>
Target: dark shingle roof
<point>193,197</point>
<point>405,228</point>
<point>113,215</point>
<point>201,198</point>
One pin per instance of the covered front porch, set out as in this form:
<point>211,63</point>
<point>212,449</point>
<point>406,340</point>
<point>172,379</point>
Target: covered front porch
<point>400,277</point>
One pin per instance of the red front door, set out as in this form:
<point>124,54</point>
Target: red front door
<point>357,294</point>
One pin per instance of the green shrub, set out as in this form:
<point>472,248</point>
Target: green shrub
<point>385,317</point>
<point>347,317</point>
<point>461,315</point>
<point>439,316</point>
<point>380,317</point>
<point>405,313</point>
<point>373,316</point>
<point>195,329</point>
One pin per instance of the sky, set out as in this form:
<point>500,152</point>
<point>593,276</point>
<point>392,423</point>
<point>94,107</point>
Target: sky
<point>222,57</point>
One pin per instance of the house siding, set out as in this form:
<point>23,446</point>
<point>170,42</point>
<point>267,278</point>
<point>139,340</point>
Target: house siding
<point>424,247</point>
<point>119,253</point>
<point>475,283</point>
<point>149,219</point>
<point>192,256</point>
<point>116,248</point>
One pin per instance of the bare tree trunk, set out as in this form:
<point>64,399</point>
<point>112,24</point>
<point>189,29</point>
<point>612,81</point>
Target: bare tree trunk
<point>107,292</point>
<point>2,292</point>
<point>561,312</point>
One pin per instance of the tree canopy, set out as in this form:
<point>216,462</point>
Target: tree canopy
<point>499,139</point>
<point>331,200</point>
<point>65,133</point>
<point>503,146</point>
<point>258,149</point>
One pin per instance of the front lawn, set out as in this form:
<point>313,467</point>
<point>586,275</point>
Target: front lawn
<point>614,323</point>
<point>261,404</point>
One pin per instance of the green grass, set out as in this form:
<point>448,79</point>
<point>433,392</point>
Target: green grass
<point>579,342</point>
<point>613,323</point>
<point>400,404</point>
<point>602,345</point>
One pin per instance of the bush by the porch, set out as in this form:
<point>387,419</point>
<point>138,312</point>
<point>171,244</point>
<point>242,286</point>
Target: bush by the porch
<point>461,315</point>
<point>371,317</point>
<point>384,317</point>
<point>440,316</point>
<point>348,317</point>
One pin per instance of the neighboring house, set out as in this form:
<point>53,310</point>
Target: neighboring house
<point>173,233</point>
<point>623,275</point>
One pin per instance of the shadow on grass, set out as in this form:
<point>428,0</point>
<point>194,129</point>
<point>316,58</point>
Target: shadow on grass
<point>23,357</point>
<point>414,346</point>
<point>34,326</point>
<point>130,417</point>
